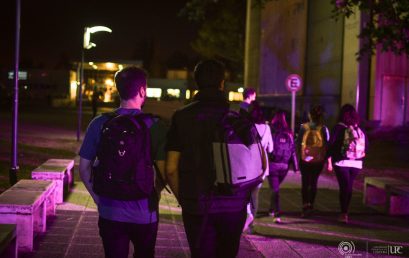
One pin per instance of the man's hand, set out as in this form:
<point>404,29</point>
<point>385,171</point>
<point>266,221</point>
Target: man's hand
<point>85,174</point>
<point>172,171</point>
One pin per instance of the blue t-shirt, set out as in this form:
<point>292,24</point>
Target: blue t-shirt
<point>124,211</point>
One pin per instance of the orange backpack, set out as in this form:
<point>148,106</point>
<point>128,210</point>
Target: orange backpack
<point>312,145</point>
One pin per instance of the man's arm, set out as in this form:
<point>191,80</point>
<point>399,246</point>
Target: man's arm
<point>172,171</point>
<point>85,174</point>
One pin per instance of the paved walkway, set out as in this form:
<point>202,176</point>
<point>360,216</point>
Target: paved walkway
<point>74,232</point>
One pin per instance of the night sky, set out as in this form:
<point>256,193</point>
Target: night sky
<point>52,30</point>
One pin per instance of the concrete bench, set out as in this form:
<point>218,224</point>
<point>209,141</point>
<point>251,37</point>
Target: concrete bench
<point>27,209</point>
<point>8,241</point>
<point>383,194</point>
<point>45,186</point>
<point>58,170</point>
<point>399,200</point>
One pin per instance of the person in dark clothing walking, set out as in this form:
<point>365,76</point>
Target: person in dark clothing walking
<point>347,147</point>
<point>123,221</point>
<point>284,153</point>
<point>312,142</point>
<point>213,223</point>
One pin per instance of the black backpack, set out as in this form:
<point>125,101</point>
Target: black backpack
<point>124,168</point>
<point>283,147</point>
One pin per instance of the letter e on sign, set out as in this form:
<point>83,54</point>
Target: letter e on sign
<point>293,82</point>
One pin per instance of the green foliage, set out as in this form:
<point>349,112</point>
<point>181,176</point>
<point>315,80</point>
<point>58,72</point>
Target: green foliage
<point>388,25</point>
<point>221,32</point>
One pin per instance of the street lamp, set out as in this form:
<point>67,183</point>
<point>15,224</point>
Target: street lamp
<point>87,44</point>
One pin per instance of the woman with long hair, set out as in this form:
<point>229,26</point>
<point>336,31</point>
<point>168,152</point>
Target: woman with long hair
<point>312,142</point>
<point>257,117</point>
<point>283,154</point>
<point>347,148</point>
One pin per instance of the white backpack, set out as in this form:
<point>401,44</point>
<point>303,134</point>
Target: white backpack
<point>354,143</point>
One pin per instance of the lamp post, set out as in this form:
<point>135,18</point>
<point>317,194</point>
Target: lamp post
<point>14,166</point>
<point>87,44</point>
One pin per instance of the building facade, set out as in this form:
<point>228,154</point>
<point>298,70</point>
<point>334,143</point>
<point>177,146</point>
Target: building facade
<point>302,37</point>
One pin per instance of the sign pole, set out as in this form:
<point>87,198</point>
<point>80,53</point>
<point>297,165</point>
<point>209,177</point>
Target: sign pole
<point>293,84</point>
<point>293,111</point>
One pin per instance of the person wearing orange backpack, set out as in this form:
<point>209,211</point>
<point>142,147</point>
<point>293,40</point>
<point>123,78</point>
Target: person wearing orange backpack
<point>346,150</point>
<point>312,142</point>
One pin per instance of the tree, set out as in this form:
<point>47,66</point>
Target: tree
<point>387,26</point>
<point>221,32</point>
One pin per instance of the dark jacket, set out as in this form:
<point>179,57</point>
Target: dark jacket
<point>337,140</point>
<point>191,133</point>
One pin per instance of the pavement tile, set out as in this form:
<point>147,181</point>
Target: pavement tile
<point>91,239</point>
<point>86,248</point>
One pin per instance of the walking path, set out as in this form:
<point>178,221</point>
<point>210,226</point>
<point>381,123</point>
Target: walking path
<point>74,231</point>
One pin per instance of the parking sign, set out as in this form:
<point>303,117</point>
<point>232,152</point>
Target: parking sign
<point>293,82</point>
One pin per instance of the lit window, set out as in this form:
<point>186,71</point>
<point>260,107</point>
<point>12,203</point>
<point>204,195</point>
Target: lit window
<point>153,92</point>
<point>109,82</point>
<point>73,89</point>
<point>109,65</point>
<point>173,92</point>
<point>235,96</point>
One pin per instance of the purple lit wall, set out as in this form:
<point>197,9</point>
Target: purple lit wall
<point>282,48</point>
<point>391,92</point>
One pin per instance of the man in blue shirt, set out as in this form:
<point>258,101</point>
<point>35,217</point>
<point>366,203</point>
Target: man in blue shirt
<point>123,221</point>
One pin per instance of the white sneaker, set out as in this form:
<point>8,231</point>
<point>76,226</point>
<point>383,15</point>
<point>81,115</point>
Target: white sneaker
<point>249,221</point>
<point>277,220</point>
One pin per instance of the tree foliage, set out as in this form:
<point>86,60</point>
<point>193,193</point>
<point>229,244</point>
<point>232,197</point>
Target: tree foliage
<point>388,25</point>
<point>222,29</point>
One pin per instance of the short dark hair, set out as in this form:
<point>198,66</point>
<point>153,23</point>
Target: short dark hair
<point>348,115</point>
<point>256,113</point>
<point>317,114</point>
<point>129,81</point>
<point>248,92</point>
<point>209,74</point>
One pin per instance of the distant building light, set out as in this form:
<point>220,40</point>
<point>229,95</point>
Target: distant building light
<point>235,96</point>
<point>109,82</point>
<point>173,92</point>
<point>22,75</point>
<point>91,63</point>
<point>241,90</point>
<point>153,92</point>
<point>110,66</point>
<point>95,67</point>
<point>25,87</point>
<point>73,89</point>
<point>120,67</point>
<point>187,94</point>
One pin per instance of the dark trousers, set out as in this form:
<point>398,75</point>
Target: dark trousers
<point>309,181</point>
<point>346,177</point>
<point>218,237</point>
<point>275,178</point>
<point>117,235</point>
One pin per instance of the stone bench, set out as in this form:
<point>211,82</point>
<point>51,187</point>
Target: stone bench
<point>27,208</point>
<point>399,200</point>
<point>46,186</point>
<point>8,241</point>
<point>386,194</point>
<point>58,170</point>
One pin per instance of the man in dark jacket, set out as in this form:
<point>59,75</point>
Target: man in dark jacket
<point>213,223</point>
